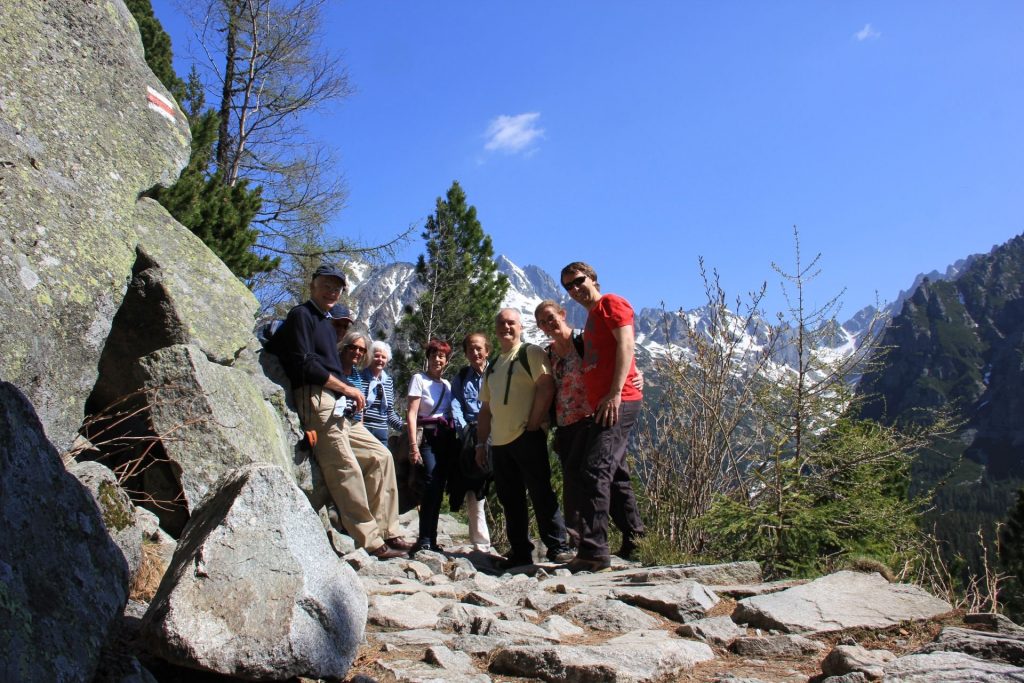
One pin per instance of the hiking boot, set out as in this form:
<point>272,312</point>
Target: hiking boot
<point>560,556</point>
<point>385,552</point>
<point>627,550</point>
<point>593,565</point>
<point>513,561</point>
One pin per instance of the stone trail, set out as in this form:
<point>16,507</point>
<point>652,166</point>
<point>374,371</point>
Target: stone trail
<point>645,624</point>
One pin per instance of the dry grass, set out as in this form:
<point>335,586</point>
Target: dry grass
<point>151,571</point>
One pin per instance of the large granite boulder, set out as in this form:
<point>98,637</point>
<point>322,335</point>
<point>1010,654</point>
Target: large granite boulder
<point>185,326</point>
<point>210,418</point>
<point>846,599</point>
<point>85,127</point>
<point>179,293</point>
<point>116,509</point>
<point>63,582</point>
<point>255,590</point>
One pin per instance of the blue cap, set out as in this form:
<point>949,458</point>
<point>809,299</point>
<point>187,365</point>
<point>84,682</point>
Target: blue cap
<point>340,312</point>
<point>330,270</point>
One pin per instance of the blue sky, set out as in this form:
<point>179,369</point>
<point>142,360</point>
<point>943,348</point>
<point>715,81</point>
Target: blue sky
<point>639,136</point>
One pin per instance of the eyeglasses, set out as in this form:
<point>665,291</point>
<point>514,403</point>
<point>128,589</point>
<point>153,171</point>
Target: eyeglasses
<point>331,289</point>
<point>547,321</point>
<point>575,283</point>
<point>353,347</point>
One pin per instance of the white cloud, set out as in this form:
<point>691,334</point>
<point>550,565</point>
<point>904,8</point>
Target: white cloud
<point>513,134</point>
<point>867,33</point>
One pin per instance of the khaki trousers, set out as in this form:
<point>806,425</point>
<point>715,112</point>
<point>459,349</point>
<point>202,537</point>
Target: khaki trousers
<point>357,468</point>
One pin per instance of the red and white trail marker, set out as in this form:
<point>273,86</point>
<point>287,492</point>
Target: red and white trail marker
<point>160,104</point>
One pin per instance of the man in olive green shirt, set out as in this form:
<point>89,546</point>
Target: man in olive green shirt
<point>515,398</point>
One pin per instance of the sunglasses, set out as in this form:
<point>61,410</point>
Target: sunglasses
<point>353,347</point>
<point>575,283</point>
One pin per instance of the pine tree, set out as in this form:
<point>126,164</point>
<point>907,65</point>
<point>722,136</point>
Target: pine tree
<point>157,46</point>
<point>219,214</point>
<point>463,288</point>
<point>1011,555</point>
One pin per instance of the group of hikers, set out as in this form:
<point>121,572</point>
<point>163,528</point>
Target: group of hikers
<point>500,407</point>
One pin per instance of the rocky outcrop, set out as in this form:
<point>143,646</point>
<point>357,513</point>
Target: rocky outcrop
<point>254,589</point>
<point>846,599</point>
<point>98,278</point>
<point>80,139</point>
<point>179,292</point>
<point>182,351</point>
<point>63,582</point>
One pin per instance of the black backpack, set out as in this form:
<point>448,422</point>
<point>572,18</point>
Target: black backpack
<point>266,331</point>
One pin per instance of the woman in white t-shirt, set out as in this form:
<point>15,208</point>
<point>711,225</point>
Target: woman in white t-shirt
<point>430,409</point>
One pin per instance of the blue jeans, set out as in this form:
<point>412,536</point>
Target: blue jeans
<point>438,452</point>
<point>380,433</point>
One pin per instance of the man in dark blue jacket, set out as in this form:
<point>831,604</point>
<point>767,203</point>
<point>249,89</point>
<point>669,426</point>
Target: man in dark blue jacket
<point>361,483</point>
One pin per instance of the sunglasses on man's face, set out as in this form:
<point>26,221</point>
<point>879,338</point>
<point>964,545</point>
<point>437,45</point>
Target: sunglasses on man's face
<point>575,283</point>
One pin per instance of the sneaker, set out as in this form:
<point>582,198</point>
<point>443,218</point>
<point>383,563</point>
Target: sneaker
<point>421,544</point>
<point>385,552</point>
<point>560,556</point>
<point>593,565</point>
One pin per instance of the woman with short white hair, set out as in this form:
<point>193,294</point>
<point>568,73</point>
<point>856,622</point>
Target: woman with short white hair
<point>380,413</point>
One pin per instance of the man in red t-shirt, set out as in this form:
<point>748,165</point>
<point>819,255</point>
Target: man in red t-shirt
<point>609,369</point>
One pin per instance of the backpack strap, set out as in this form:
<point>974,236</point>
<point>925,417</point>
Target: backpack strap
<point>524,357</point>
<point>577,341</point>
<point>521,356</point>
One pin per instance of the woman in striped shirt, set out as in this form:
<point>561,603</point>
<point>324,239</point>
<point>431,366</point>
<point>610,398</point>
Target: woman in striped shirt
<point>380,413</point>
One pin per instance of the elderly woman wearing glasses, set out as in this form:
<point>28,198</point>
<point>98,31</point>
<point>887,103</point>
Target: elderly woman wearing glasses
<point>374,460</point>
<point>379,388</point>
<point>431,437</point>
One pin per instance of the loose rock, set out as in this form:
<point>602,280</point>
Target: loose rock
<point>717,630</point>
<point>994,646</point>
<point>419,610</point>
<point>611,615</point>
<point>951,667</point>
<point>633,662</point>
<point>839,601</point>
<point>844,659</point>
<point>776,646</point>
<point>254,589</point>
<point>681,601</point>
